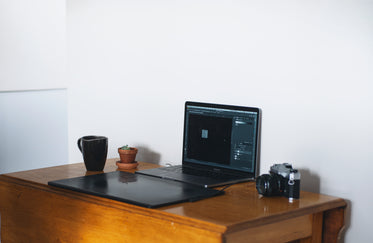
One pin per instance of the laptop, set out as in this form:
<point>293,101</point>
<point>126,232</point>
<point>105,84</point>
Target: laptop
<point>220,146</point>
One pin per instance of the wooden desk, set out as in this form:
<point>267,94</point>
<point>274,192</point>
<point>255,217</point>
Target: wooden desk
<point>32,211</point>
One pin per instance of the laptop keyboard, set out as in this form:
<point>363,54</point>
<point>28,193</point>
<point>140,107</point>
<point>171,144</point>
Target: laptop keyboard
<point>194,172</point>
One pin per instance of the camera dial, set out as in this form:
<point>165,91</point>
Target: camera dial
<point>283,180</point>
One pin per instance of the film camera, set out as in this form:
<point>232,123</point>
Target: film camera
<point>282,180</point>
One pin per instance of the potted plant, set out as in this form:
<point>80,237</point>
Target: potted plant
<point>127,156</point>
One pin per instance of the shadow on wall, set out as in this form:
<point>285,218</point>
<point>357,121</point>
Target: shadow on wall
<point>147,155</point>
<point>309,181</point>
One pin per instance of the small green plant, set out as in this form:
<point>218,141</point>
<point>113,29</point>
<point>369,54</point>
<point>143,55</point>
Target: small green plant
<point>125,147</point>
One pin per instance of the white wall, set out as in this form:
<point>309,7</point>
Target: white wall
<point>132,64</point>
<point>33,129</point>
<point>33,107</point>
<point>307,64</point>
<point>32,44</point>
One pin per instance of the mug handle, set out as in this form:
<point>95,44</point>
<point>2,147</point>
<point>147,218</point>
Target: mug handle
<point>79,144</point>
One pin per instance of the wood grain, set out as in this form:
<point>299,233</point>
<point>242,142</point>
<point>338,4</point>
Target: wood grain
<point>333,224</point>
<point>60,217</point>
<point>275,232</point>
<point>33,211</point>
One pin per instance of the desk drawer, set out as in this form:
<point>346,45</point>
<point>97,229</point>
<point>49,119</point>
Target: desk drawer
<point>303,227</point>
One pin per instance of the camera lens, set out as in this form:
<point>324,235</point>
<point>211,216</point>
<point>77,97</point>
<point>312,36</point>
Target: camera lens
<point>267,185</point>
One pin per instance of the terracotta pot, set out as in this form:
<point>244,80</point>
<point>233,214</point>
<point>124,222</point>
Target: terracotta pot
<point>127,156</point>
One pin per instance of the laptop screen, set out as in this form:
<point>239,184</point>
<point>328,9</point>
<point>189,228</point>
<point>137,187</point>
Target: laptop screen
<point>221,136</point>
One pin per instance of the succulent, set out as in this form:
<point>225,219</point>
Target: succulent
<point>125,147</point>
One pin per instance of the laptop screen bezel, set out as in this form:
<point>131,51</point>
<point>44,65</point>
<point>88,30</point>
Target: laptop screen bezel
<point>210,167</point>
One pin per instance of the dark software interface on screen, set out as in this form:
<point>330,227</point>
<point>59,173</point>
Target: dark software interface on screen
<point>226,138</point>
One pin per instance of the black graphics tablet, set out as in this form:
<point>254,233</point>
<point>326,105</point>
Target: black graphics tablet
<point>145,191</point>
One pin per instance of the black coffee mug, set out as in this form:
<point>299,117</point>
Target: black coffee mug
<point>94,150</point>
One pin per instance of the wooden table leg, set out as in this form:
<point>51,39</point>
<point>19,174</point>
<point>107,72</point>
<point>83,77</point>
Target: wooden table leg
<point>333,224</point>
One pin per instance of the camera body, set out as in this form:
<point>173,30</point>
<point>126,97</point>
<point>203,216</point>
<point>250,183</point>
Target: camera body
<point>282,180</point>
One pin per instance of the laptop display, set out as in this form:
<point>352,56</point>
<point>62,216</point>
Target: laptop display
<point>224,137</point>
<point>218,139</point>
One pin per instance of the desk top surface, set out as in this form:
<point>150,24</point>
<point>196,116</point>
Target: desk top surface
<point>241,205</point>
